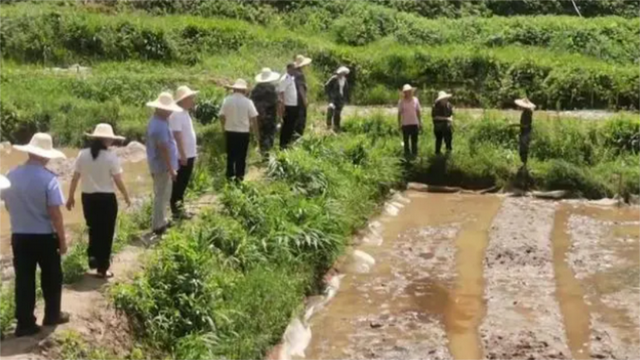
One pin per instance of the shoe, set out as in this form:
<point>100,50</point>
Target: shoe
<point>105,274</point>
<point>160,231</point>
<point>63,318</point>
<point>182,216</point>
<point>27,331</point>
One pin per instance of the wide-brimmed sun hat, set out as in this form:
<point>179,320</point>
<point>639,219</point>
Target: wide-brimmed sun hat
<point>343,70</point>
<point>525,103</point>
<point>240,84</point>
<point>184,92</point>
<point>301,61</point>
<point>4,183</point>
<point>443,95</point>
<point>41,145</point>
<point>104,131</point>
<point>407,87</point>
<point>164,102</point>
<point>266,76</point>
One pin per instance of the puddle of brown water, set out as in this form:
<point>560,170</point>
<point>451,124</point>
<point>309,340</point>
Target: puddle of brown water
<point>135,174</point>
<point>397,305</point>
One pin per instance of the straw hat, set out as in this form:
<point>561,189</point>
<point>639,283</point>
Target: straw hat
<point>343,70</point>
<point>443,95</point>
<point>41,145</point>
<point>267,76</point>
<point>240,84</point>
<point>301,61</point>
<point>407,87</point>
<point>164,102</point>
<point>104,131</point>
<point>4,183</point>
<point>184,92</point>
<point>525,103</point>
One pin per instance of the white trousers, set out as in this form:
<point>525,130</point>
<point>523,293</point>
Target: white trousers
<point>162,185</point>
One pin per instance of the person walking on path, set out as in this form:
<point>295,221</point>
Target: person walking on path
<point>37,234</point>
<point>288,105</point>
<point>409,120</point>
<point>303,100</point>
<point>442,116</point>
<point>526,120</point>
<point>265,99</point>
<point>162,156</point>
<point>99,168</point>
<point>181,125</point>
<point>337,90</point>
<point>238,116</point>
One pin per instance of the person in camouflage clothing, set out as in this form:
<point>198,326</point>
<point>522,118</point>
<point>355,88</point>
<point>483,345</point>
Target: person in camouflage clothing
<point>265,98</point>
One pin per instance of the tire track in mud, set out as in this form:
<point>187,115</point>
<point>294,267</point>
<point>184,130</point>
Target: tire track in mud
<point>523,319</point>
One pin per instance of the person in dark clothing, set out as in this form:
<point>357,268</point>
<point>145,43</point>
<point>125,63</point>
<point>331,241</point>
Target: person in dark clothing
<point>525,125</point>
<point>301,87</point>
<point>265,98</point>
<point>442,116</point>
<point>288,105</point>
<point>337,90</point>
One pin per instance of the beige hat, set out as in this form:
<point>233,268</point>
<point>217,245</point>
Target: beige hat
<point>164,102</point>
<point>407,87</point>
<point>4,183</point>
<point>525,103</point>
<point>240,84</point>
<point>104,131</point>
<point>443,95</point>
<point>266,76</point>
<point>184,92</point>
<point>41,145</point>
<point>301,61</point>
<point>343,70</point>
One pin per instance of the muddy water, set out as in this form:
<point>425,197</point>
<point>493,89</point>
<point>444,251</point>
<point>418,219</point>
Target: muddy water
<point>136,177</point>
<point>423,297</point>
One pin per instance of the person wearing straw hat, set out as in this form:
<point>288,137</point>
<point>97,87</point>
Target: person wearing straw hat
<point>265,99</point>
<point>337,90</point>
<point>442,116</point>
<point>300,63</point>
<point>99,169</point>
<point>37,234</point>
<point>181,125</point>
<point>238,116</point>
<point>288,105</point>
<point>162,156</point>
<point>526,120</point>
<point>409,120</point>
<point>4,183</point>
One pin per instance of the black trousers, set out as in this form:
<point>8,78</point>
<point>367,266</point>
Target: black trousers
<point>180,186</point>
<point>288,125</point>
<point>334,115</point>
<point>442,130</point>
<point>301,122</point>
<point>237,146</point>
<point>100,213</point>
<point>410,139</point>
<point>30,251</point>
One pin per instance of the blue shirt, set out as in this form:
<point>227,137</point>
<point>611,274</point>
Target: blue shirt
<point>33,189</point>
<point>158,132</point>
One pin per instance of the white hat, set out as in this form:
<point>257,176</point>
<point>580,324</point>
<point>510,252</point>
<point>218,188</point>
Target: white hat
<point>266,76</point>
<point>443,95</point>
<point>41,145</point>
<point>4,183</point>
<point>343,70</point>
<point>525,103</point>
<point>104,131</point>
<point>407,87</point>
<point>184,92</point>
<point>164,102</point>
<point>301,61</point>
<point>240,84</point>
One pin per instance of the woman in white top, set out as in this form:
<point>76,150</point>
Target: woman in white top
<point>99,169</point>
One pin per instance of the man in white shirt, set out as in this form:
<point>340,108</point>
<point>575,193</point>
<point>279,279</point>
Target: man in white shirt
<point>238,116</point>
<point>288,106</point>
<point>181,125</point>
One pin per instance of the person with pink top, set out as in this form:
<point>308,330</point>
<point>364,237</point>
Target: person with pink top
<point>409,120</point>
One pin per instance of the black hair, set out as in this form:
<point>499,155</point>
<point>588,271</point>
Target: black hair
<point>96,146</point>
<point>291,66</point>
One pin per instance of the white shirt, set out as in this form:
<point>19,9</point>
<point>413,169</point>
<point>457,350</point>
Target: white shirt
<point>97,175</point>
<point>238,110</point>
<point>181,122</point>
<point>341,82</point>
<point>288,87</point>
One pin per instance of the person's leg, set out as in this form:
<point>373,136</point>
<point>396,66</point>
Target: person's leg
<point>230,154</point>
<point>448,137</point>
<point>524,147</point>
<point>177,190</point>
<point>24,265</point>
<point>267,135</point>
<point>161,187</point>
<point>91,213</point>
<point>414,141</point>
<point>405,140</point>
<point>288,126</point>
<point>301,122</point>
<point>330,112</point>
<point>243,147</point>
<point>108,227</point>
<point>337,117</point>
<point>50,278</point>
<point>437,131</point>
